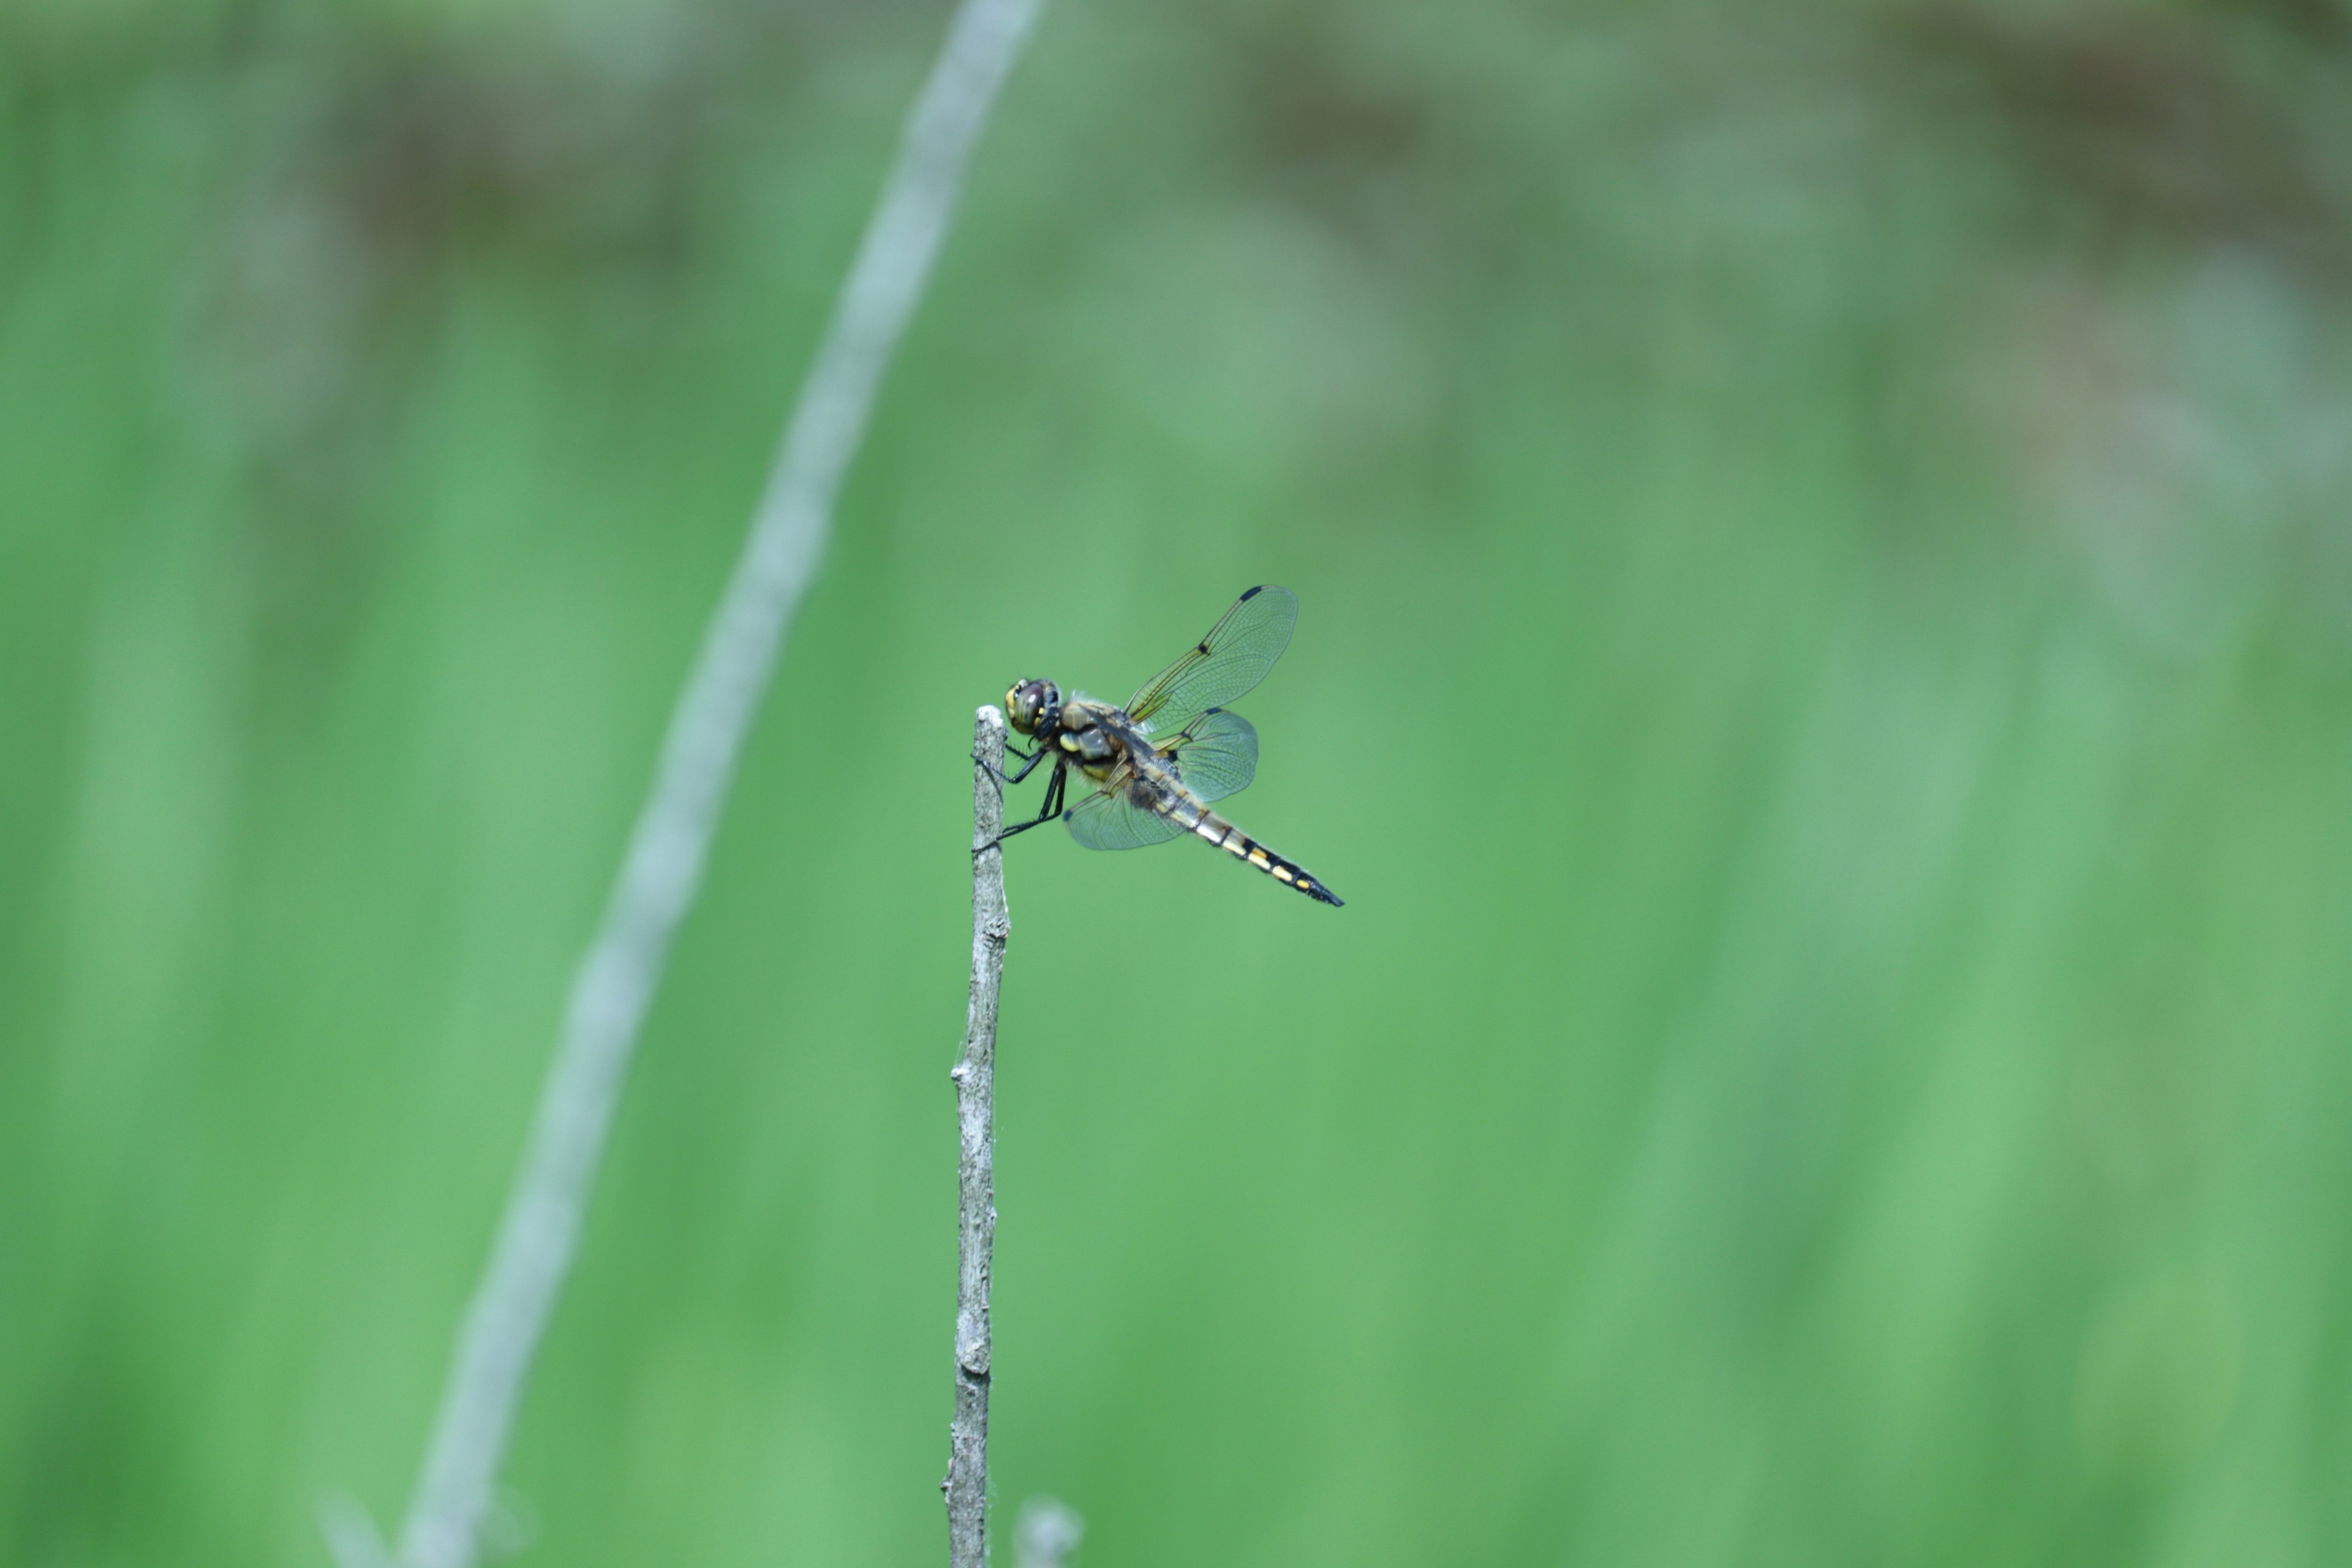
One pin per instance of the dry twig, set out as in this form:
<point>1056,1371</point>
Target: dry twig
<point>975,1079</point>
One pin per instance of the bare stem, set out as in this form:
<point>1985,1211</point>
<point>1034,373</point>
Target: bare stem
<point>662,867</point>
<point>975,1079</point>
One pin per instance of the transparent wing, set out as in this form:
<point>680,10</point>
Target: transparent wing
<point>1234,657</point>
<point>1215,754</point>
<point>1115,822</point>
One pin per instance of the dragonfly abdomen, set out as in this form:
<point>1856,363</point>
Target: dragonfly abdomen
<point>1206,825</point>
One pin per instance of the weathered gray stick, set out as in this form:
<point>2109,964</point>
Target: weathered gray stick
<point>662,868</point>
<point>975,1079</point>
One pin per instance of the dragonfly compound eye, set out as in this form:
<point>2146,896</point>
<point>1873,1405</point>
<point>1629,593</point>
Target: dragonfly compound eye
<point>1030,704</point>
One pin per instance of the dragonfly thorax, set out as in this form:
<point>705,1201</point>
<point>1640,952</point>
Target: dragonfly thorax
<point>1093,735</point>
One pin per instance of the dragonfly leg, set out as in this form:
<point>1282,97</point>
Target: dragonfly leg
<point>1051,808</point>
<point>1029,761</point>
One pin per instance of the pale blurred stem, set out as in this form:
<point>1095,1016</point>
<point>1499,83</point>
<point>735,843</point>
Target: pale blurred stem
<point>975,1079</point>
<point>662,868</point>
<point>1048,1531</point>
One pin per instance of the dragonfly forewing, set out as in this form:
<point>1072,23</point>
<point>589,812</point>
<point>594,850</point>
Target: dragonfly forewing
<point>1233,658</point>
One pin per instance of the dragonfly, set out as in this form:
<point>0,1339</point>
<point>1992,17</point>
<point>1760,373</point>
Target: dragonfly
<point>1151,769</point>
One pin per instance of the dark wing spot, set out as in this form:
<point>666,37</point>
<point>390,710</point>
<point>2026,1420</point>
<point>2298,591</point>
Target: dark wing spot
<point>1253,593</point>
<point>1203,646</point>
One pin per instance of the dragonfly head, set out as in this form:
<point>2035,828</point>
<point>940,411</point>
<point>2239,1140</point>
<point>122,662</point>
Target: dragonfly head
<point>1033,706</point>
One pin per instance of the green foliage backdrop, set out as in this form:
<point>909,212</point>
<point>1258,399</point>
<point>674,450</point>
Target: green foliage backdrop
<point>1824,681</point>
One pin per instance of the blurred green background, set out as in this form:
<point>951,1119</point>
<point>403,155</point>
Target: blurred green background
<point>1824,681</point>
